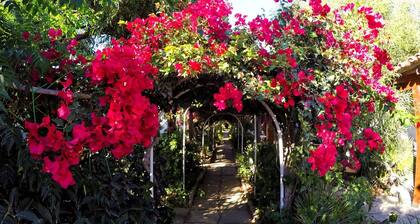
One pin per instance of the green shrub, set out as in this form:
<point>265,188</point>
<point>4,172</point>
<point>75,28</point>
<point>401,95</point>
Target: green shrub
<point>327,203</point>
<point>169,154</point>
<point>245,164</point>
<point>109,191</point>
<point>268,174</point>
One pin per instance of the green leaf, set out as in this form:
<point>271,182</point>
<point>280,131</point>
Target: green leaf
<point>44,212</point>
<point>4,94</point>
<point>2,108</point>
<point>82,221</point>
<point>29,216</point>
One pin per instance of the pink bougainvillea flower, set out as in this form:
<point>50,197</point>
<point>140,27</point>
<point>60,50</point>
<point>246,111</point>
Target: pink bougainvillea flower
<point>66,95</point>
<point>360,145</point>
<point>122,73</point>
<point>81,59</point>
<point>323,158</point>
<point>179,68</point>
<point>51,54</point>
<point>295,24</point>
<point>228,94</point>
<point>26,35</point>
<point>121,150</point>
<point>53,34</point>
<point>63,111</point>
<point>71,46</point>
<point>80,134</point>
<point>318,8</point>
<point>374,140</point>
<point>375,20</point>
<point>195,66</point>
<point>240,19</point>
<point>43,137</point>
<point>381,55</point>
<point>67,83</point>
<point>60,170</point>
<point>370,106</point>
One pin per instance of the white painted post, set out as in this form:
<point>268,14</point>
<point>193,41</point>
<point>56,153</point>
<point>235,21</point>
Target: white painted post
<point>212,138</point>
<point>239,137</point>
<point>242,139</point>
<point>183,147</point>
<point>255,154</point>
<point>152,171</point>
<point>280,151</point>
<point>202,145</point>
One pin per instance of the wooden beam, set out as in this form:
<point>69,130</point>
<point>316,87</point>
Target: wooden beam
<point>416,194</point>
<point>50,92</point>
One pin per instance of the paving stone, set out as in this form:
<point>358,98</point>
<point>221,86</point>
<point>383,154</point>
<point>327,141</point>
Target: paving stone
<point>213,195</point>
<point>231,191</point>
<point>203,216</point>
<point>232,197</point>
<point>180,215</point>
<point>223,202</point>
<point>235,216</point>
<point>229,171</point>
<point>207,203</point>
<point>382,207</point>
<point>228,183</point>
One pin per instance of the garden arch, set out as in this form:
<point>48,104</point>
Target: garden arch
<point>279,143</point>
<point>202,136</point>
<point>181,52</point>
<point>280,150</point>
<point>240,140</point>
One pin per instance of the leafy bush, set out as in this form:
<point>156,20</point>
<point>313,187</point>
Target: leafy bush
<point>326,203</point>
<point>245,165</point>
<point>332,199</point>
<point>268,174</point>
<point>110,191</point>
<point>267,185</point>
<point>398,156</point>
<point>169,152</point>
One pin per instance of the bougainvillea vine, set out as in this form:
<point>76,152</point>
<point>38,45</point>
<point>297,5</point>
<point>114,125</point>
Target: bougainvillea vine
<point>228,96</point>
<point>313,60</point>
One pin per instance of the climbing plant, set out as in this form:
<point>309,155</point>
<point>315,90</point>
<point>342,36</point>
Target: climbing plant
<point>308,59</point>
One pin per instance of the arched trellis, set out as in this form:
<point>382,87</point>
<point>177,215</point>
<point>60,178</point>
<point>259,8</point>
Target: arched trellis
<point>280,149</point>
<point>151,167</point>
<point>279,144</point>
<point>184,115</point>
<point>241,141</point>
<point>255,154</point>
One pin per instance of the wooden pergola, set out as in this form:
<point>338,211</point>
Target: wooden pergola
<point>410,80</point>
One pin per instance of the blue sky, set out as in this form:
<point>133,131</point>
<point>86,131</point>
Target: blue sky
<point>252,8</point>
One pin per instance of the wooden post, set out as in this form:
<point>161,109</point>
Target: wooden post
<point>416,194</point>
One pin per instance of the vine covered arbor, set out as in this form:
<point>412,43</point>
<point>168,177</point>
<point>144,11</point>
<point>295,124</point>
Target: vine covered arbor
<point>96,149</point>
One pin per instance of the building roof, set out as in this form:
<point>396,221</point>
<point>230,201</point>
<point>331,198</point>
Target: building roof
<point>411,64</point>
<point>410,72</point>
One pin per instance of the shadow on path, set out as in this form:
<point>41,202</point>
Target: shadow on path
<point>224,200</point>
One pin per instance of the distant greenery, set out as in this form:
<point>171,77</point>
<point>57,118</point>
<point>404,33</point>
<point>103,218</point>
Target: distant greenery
<point>402,25</point>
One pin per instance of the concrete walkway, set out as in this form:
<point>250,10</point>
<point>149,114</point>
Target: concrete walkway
<point>224,200</point>
<point>383,206</point>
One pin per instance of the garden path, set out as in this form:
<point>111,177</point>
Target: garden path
<point>224,201</point>
<point>383,206</point>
